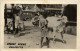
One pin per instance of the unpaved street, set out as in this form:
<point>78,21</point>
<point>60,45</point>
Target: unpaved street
<point>31,36</point>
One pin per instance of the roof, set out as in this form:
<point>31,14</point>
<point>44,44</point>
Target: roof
<point>34,9</point>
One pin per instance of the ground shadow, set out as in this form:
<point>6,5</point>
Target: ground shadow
<point>45,44</point>
<point>58,40</point>
<point>21,34</point>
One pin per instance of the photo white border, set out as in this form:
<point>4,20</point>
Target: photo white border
<point>37,2</point>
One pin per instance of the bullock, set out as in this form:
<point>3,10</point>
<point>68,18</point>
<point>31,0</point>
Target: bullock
<point>56,24</point>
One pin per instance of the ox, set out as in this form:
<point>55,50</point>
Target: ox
<point>56,24</point>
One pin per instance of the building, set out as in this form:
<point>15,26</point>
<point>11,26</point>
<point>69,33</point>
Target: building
<point>28,11</point>
<point>53,8</point>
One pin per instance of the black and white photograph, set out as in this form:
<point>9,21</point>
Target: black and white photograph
<point>40,26</point>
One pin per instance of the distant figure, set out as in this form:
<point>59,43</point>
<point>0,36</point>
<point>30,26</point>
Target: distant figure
<point>40,17</point>
<point>10,27</point>
<point>35,21</point>
<point>44,31</point>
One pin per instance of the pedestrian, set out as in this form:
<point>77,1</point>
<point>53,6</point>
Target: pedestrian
<point>17,20</point>
<point>11,27</point>
<point>44,31</point>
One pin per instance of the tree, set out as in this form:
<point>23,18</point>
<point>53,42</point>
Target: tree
<point>71,12</point>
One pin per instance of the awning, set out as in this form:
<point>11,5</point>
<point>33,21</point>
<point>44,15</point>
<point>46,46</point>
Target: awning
<point>35,9</point>
<point>53,9</point>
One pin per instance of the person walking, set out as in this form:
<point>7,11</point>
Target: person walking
<point>44,30</point>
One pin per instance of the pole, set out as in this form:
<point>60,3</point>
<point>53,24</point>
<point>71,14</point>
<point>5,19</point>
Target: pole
<point>13,17</point>
<point>5,15</point>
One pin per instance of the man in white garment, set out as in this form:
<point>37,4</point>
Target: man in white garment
<point>17,21</point>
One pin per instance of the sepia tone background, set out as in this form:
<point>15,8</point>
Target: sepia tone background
<point>31,32</point>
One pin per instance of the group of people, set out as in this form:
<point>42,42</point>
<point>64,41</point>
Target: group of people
<point>49,26</point>
<point>19,25</point>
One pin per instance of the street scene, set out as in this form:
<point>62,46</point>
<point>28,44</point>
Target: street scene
<point>51,26</point>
